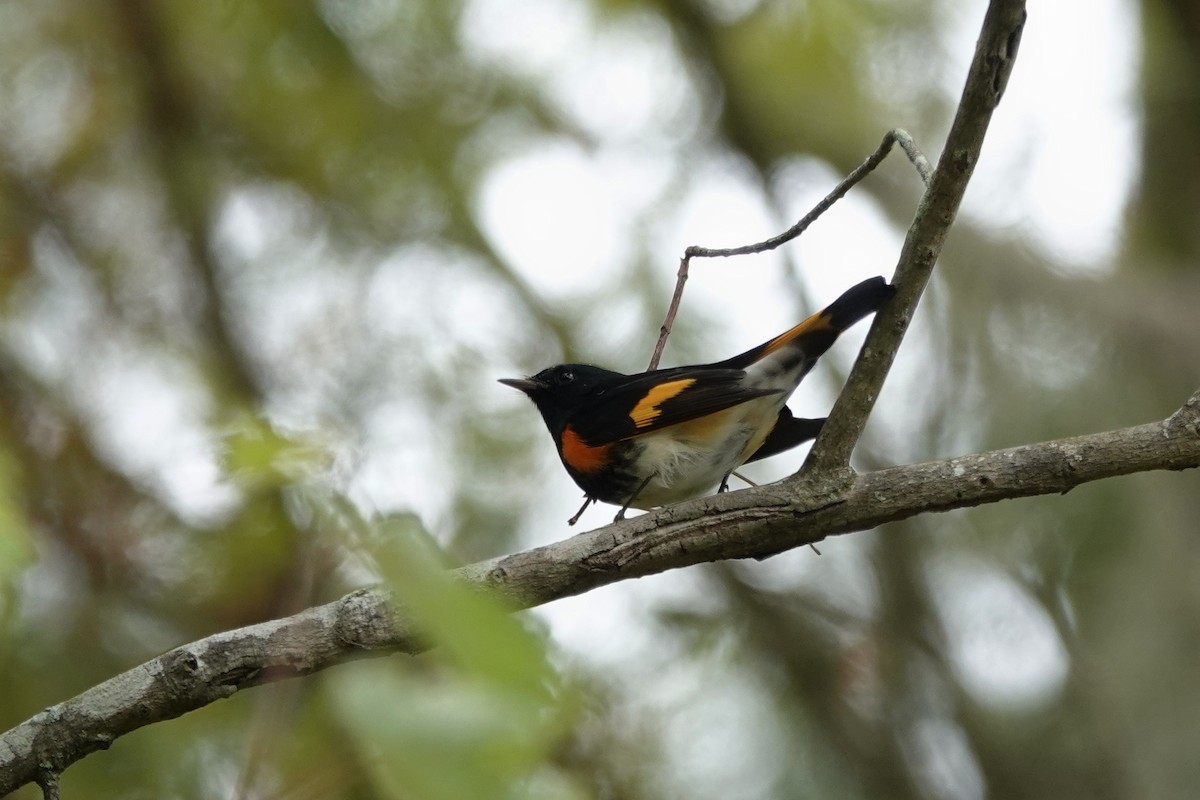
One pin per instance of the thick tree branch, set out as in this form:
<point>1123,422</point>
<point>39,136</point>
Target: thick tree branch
<point>743,524</point>
<point>195,675</point>
<point>995,54</point>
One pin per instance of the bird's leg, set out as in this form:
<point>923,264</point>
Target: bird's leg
<point>724,487</point>
<point>587,501</point>
<point>621,514</point>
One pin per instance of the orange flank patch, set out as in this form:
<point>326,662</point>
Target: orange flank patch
<point>817,322</point>
<point>711,428</point>
<point>647,409</point>
<point>582,456</point>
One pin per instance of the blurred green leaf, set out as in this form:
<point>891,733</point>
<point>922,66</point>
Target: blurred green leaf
<point>449,737</point>
<point>257,456</point>
<point>483,724</point>
<point>478,633</point>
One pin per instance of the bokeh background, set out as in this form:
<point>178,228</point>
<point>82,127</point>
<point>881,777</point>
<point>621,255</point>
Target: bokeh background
<point>261,264</point>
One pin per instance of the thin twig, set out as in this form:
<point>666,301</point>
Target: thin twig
<point>894,136</point>
<point>48,780</point>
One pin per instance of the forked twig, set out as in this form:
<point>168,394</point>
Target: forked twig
<point>892,137</point>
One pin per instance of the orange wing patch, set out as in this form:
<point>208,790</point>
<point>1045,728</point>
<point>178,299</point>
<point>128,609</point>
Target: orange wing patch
<point>581,455</point>
<point>647,409</point>
<point>817,322</point>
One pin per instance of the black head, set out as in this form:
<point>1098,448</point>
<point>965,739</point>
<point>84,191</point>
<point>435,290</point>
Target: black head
<point>558,391</point>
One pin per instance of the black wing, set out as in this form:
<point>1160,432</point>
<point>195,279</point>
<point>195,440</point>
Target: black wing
<point>655,400</point>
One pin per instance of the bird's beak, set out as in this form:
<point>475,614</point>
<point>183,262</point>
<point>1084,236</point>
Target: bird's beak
<point>524,384</point>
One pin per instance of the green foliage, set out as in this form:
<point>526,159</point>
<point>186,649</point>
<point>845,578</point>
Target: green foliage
<point>485,712</point>
<point>258,457</point>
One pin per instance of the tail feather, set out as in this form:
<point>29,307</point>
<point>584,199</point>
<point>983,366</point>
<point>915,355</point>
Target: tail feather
<point>789,432</point>
<point>857,302</point>
<point>818,333</point>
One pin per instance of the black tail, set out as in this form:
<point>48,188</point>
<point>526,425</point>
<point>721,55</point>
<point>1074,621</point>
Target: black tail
<point>857,302</point>
<point>788,432</point>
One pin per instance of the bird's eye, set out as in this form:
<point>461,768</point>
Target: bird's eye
<point>565,377</point>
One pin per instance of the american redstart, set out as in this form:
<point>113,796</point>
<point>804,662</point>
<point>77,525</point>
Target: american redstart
<point>647,440</point>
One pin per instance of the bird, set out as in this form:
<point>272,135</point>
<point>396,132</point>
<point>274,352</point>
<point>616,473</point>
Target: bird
<point>655,438</point>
